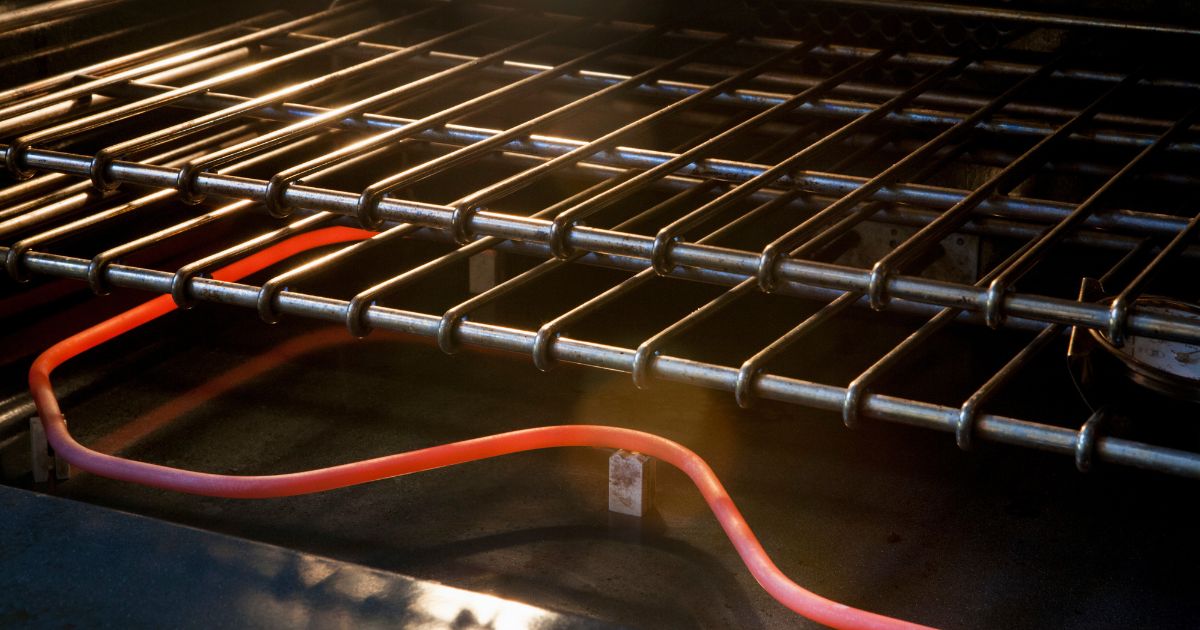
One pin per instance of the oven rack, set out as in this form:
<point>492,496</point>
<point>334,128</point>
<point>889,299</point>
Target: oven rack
<point>197,160</point>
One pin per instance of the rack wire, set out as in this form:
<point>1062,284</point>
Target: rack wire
<point>778,173</point>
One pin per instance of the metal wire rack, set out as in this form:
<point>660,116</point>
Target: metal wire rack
<point>767,167</point>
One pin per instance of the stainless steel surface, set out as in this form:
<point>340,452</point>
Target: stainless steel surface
<point>112,569</point>
<point>694,157</point>
<point>1021,16</point>
<point>13,18</point>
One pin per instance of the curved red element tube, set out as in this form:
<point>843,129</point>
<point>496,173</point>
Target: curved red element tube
<point>751,551</point>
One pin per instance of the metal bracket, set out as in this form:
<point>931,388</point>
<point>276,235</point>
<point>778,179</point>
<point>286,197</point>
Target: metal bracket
<point>959,262</point>
<point>484,271</point>
<point>631,483</point>
<point>41,458</point>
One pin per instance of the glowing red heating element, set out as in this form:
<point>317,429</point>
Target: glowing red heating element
<point>760,565</point>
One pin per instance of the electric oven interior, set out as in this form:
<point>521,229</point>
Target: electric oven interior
<point>583,314</point>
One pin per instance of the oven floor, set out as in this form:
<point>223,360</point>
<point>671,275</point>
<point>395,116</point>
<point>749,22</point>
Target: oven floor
<point>109,569</point>
<point>893,519</point>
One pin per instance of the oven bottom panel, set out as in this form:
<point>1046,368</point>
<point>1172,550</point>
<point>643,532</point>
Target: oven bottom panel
<point>889,518</point>
<point>109,569</point>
